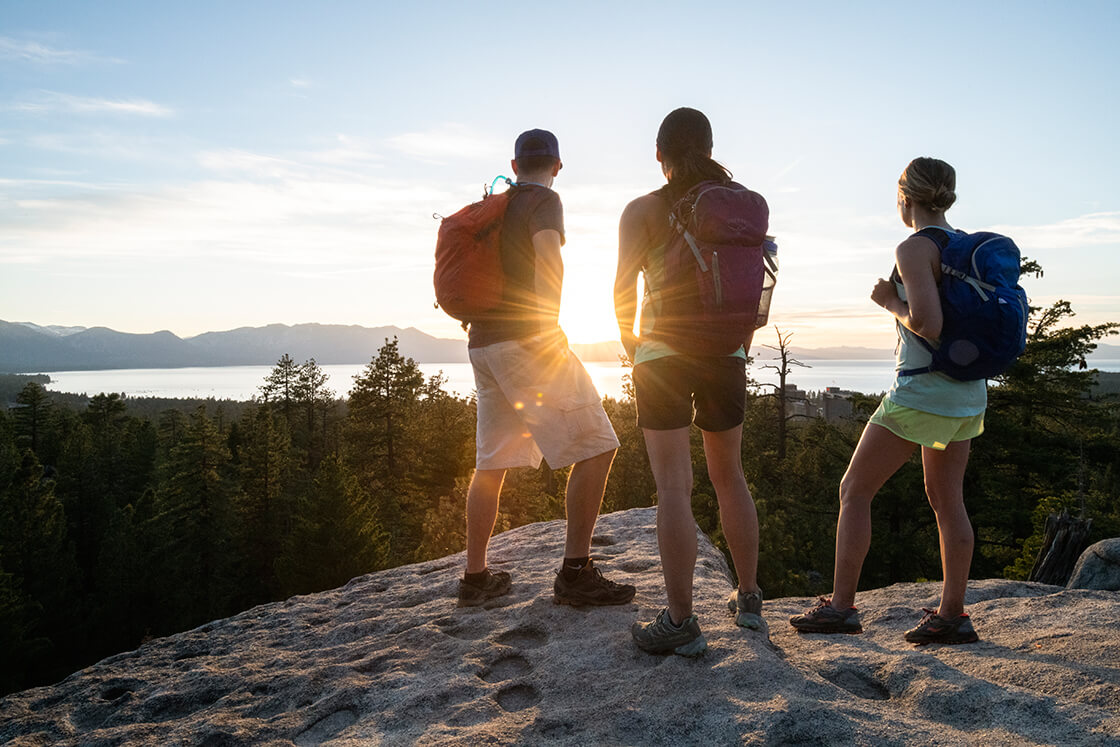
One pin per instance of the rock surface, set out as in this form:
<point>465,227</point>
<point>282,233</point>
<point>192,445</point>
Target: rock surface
<point>388,659</point>
<point>1098,567</point>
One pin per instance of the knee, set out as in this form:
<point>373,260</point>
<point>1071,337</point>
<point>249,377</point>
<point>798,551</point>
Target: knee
<point>943,498</point>
<point>726,475</point>
<point>853,494</point>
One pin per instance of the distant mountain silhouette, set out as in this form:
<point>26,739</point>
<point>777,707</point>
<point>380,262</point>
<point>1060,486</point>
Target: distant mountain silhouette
<point>26,348</point>
<point>30,348</point>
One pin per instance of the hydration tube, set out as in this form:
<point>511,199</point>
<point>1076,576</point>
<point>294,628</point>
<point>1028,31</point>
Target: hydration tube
<point>487,191</point>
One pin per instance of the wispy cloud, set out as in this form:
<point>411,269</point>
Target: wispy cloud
<point>52,101</point>
<point>788,168</point>
<point>105,144</point>
<point>300,82</point>
<point>23,50</point>
<point>1092,229</point>
<point>448,142</point>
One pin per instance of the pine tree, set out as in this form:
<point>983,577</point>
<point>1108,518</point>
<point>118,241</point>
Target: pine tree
<point>266,506</point>
<point>281,387</point>
<point>194,522</point>
<point>33,407</point>
<point>336,537</point>
<point>34,551</point>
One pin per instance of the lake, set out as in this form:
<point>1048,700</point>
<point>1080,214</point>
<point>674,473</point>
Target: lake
<point>243,382</point>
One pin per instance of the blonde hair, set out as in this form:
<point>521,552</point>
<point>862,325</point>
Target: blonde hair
<point>929,182</point>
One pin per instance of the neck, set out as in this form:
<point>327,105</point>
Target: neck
<point>920,219</point>
<point>544,179</point>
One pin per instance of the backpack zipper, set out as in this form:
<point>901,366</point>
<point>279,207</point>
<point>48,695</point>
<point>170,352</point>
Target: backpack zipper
<point>715,279</point>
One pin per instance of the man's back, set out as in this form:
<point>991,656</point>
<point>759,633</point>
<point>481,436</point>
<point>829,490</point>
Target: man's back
<point>532,233</point>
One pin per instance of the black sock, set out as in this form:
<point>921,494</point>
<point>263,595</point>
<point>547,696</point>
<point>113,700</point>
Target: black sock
<point>572,566</point>
<point>477,578</point>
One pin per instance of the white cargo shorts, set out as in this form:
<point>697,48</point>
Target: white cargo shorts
<point>535,399</point>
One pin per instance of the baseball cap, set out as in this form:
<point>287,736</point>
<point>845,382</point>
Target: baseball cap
<point>536,143</point>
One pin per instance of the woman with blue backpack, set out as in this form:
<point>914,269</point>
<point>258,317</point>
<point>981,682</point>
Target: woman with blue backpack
<point>925,407</point>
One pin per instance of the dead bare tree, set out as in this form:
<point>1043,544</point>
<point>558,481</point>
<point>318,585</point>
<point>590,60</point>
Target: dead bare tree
<point>784,364</point>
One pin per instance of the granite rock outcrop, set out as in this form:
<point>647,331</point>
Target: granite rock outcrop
<point>389,659</point>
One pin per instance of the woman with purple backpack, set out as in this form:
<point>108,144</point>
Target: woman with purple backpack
<point>924,408</point>
<point>670,383</point>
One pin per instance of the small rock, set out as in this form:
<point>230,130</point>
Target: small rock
<point>1098,567</point>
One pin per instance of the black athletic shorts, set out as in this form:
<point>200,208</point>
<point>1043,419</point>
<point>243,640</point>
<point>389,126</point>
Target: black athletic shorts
<point>667,388</point>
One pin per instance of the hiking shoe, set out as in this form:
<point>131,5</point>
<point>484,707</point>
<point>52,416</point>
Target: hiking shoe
<point>936,629</point>
<point>590,588</point>
<point>747,609</point>
<point>824,618</point>
<point>471,594</point>
<point>662,637</point>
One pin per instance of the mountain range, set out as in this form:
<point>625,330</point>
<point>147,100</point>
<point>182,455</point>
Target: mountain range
<point>31,348</point>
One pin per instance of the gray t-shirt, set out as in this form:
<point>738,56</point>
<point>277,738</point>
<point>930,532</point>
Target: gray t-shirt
<point>529,308</point>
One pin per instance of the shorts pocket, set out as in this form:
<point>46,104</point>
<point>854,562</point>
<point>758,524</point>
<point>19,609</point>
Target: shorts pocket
<point>582,418</point>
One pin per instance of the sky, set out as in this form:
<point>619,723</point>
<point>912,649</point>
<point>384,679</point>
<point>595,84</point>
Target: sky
<point>212,165</point>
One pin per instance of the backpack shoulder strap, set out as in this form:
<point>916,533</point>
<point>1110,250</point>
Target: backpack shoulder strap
<point>937,234</point>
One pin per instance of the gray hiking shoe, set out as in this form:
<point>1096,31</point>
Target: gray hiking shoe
<point>824,618</point>
<point>747,609</point>
<point>590,589</point>
<point>934,628</point>
<point>662,637</point>
<point>473,594</point>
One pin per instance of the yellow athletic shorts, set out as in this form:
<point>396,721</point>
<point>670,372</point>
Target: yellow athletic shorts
<point>925,428</point>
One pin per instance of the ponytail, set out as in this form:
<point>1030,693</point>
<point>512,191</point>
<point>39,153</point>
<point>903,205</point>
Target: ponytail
<point>688,170</point>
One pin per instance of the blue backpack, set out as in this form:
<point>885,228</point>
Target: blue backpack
<point>985,311</point>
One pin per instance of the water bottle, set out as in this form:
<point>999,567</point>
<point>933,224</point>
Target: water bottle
<point>769,279</point>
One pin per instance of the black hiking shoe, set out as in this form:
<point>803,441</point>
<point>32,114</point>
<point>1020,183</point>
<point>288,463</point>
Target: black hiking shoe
<point>824,618</point>
<point>473,594</point>
<point>662,637</point>
<point>936,629</point>
<point>590,588</point>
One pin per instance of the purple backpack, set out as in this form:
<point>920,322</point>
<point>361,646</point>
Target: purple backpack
<point>714,268</point>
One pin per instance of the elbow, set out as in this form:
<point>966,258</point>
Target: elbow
<point>930,330</point>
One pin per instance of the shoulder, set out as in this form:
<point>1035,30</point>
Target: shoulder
<point>646,208</point>
<point>916,254</point>
<point>917,246</point>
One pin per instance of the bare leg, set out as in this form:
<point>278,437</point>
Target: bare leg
<point>878,455</point>
<point>582,499</point>
<point>482,511</point>
<point>737,513</point>
<point>671,462</point>
<point>944,477</point>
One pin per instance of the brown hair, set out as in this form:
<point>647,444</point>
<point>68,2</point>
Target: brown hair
<point>929,182</point>
<point>685,142</point>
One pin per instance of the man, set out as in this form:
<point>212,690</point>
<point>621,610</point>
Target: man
<point>534,397</point>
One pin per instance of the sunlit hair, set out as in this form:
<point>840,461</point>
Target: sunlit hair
<point>930,183</point>
<point>685,142</point>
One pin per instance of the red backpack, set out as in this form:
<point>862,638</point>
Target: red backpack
<point>714,269</point>
<point>469,279</point>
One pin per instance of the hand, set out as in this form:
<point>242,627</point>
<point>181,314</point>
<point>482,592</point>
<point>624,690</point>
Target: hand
<point>884,293</point>
<point>630,344</point>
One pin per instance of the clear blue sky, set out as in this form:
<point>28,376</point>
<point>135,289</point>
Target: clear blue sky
<point>208,165</point>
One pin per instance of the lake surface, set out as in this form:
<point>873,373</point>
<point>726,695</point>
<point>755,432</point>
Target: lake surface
<point>243,382</point>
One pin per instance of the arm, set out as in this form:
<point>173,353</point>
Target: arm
<point>633,240</point>
<point>919,264</point>
<point>546,246</point>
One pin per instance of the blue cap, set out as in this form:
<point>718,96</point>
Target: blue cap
<point>536,143</point>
